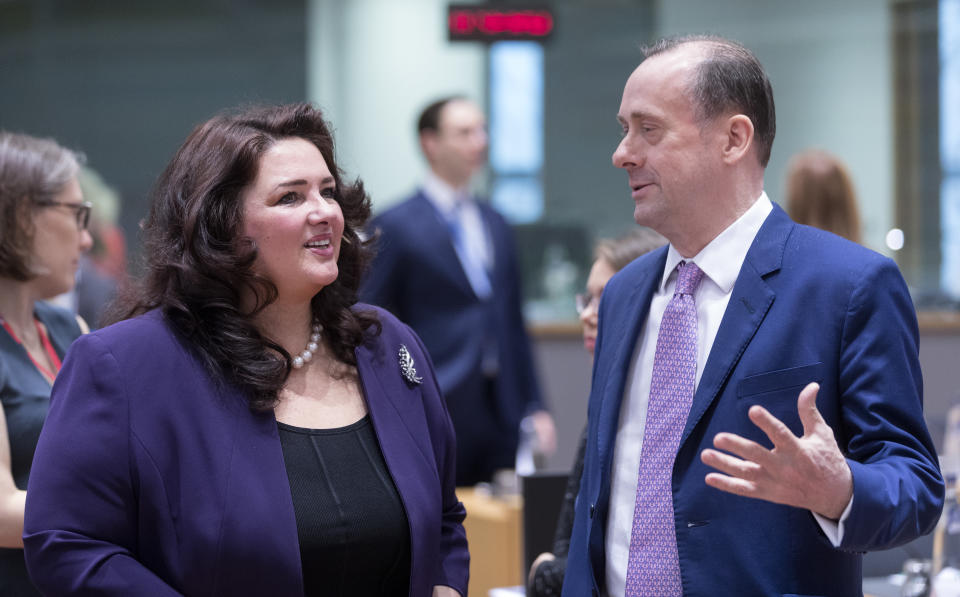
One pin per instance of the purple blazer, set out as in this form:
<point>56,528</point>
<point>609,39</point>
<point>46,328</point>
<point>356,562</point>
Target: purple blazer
<point>151,478</point>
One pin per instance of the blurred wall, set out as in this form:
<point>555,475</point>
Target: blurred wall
<point>596,47</point>
<point>829,63</point>
<point>373,65</point>
<point>126,82</point>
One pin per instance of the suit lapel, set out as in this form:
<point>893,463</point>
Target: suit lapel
<point>259,487</point>
<point>446,253</point>
<point>628,329</point>
<point>396,411</point>
<point>397,424</point>
<point>749,304</point>
<point>493,232</point>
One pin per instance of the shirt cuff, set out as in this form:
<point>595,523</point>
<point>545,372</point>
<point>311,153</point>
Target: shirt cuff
<point>834,529</point>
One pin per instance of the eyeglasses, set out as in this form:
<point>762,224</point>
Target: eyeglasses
<point>82,210</point>
<point>585,300</point>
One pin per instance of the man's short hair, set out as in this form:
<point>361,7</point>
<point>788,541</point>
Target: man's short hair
<point>430,117</point>
<point>729,78</point>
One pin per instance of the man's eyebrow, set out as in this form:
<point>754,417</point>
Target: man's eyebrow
<point>637,115</point>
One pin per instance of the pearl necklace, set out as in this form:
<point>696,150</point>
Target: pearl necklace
<point>304,357</point>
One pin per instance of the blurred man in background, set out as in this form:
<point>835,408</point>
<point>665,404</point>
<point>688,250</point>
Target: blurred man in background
<point>446,265</point>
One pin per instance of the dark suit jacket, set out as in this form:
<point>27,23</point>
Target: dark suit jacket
<point>151,478</point>
<point>807,306</point>
<point>418,277</point>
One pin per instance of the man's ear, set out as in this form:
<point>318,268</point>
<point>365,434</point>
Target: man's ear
<point>428,143</point>
<point>737,138</point>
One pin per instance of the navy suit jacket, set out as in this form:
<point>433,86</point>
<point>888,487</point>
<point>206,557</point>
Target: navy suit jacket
<point>807,306</point>
<point>151,478</point>
<point>417,275</point>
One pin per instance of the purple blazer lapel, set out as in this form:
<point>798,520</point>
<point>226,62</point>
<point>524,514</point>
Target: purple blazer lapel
<point>396,409</point>
<point>257,512</point>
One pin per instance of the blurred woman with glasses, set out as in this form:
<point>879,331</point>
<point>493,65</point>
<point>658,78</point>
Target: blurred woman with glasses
<point>43,231</point>
<point>546,572</point>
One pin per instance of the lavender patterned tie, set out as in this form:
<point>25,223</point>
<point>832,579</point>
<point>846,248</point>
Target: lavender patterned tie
<point>653,567</point>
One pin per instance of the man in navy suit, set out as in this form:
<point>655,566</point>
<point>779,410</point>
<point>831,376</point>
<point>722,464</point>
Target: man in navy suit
<point>446,265</point>
<point>755,418</point>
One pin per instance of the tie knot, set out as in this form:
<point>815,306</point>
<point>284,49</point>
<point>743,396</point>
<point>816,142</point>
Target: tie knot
<point>689,277</point>
<point>460,198</point>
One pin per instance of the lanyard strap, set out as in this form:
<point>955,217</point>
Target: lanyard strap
<point>47,347</point>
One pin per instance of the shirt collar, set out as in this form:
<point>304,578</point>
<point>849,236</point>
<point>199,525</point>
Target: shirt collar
<point>723,257</point>
<point>441,194</point>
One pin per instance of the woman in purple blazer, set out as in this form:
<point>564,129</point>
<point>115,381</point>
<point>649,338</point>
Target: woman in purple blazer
<point>249,429</point>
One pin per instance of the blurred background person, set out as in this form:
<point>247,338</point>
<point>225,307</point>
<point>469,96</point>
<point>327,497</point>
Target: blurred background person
<point>249,429</point>
<point>820,194</point>
<point>446,264</point>
<point>43,233</point>
<point>104,267</point>
<point>610,256</point>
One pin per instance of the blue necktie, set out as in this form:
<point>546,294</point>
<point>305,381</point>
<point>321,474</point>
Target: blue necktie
<point>471,261</point>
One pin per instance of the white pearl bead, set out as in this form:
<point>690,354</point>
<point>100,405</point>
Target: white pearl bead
<point>304,357</point>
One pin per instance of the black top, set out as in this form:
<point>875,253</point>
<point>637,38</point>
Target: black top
<point>354,537</point>
<point>25,394</point>
<point>548,580</point>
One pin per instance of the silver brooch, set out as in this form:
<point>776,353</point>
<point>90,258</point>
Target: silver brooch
<point>406,366</point>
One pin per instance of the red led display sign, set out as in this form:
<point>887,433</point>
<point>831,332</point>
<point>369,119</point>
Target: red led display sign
<point>482,22</point>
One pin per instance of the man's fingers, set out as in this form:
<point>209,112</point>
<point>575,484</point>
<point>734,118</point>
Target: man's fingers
<point>742,447</point>
<point>778,433</point>
<point>807,408</point>
<point>731,484</point>
<point>731,465</point>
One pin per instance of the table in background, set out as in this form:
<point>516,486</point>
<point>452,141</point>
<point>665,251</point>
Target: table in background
<point>493,526</point>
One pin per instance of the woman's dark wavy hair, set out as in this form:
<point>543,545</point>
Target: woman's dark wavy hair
<point>199,267</point>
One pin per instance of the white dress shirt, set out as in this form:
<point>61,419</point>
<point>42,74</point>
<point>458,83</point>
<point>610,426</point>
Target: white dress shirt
<point>720,261</point>
<point>446,199</point>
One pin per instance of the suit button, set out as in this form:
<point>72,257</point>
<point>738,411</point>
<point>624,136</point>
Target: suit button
<point>593,509</point>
